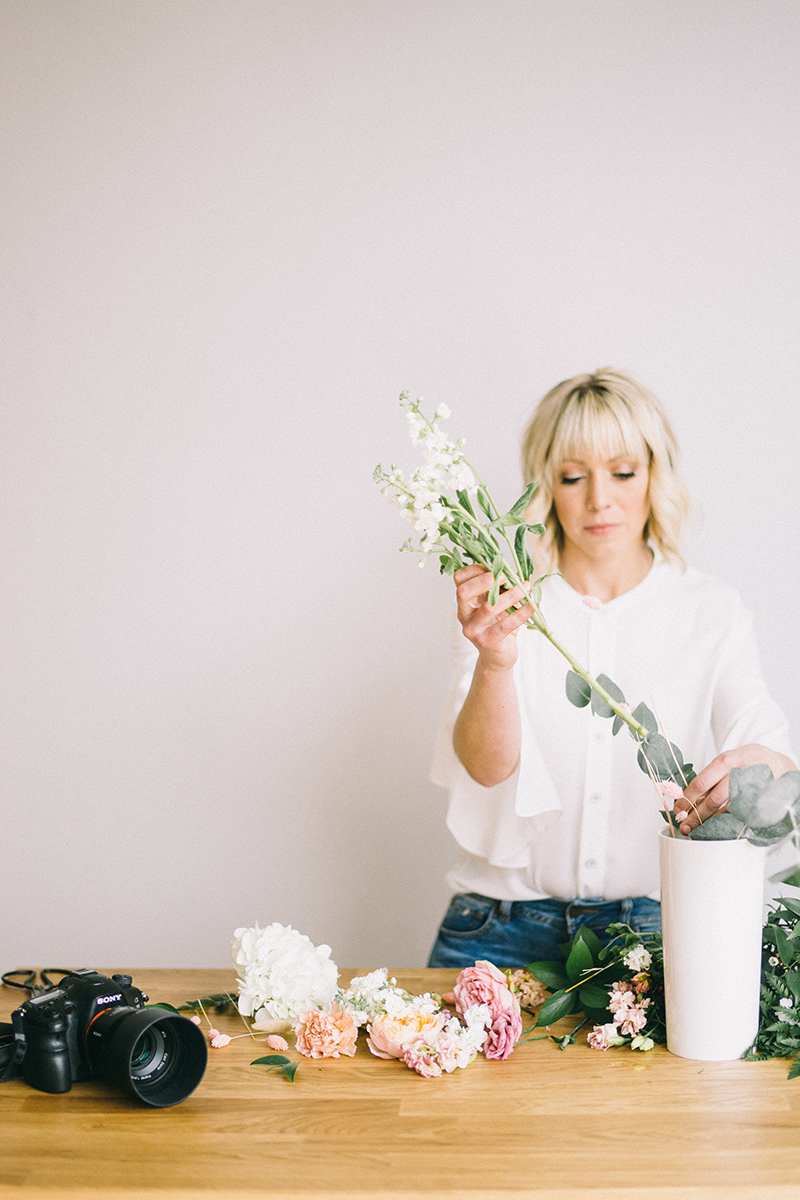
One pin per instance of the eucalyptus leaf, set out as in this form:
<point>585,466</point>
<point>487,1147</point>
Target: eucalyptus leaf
<point>290,1070</point>
<point>579,691</point>
<point>791,877</point>
<point>618,723</point>
<point>769,835</point>
<point>559,1005</point>
<point>536,530</point>
<point>643,715</point>
<point>722,827</point>
<point>745,785</point>
<point>664,757</point>
<point>494,591</point>
<point>552,974</point>
<point>601,707</point>
<point>271,1060</point>
<point>777,798</point>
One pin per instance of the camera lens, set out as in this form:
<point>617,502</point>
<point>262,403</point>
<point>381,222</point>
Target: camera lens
<point>155,1055</point>
<point>150,1054</point>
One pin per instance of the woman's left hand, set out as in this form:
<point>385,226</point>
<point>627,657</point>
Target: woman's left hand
<point>708,792</point>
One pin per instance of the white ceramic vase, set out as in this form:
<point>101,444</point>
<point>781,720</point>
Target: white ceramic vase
<point>712,898</point>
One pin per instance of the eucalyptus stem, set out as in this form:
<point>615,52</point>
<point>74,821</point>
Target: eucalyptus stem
<point>537,621</point>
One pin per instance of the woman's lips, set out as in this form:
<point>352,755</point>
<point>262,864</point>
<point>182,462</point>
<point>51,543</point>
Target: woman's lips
<point>600,530</point>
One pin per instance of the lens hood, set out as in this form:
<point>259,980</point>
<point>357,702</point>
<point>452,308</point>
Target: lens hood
<point>155,1055</point>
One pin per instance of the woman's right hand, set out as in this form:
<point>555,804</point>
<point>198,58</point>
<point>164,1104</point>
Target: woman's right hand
<point>492,629</point>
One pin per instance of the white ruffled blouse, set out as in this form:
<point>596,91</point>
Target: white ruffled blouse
<point>578,818</point>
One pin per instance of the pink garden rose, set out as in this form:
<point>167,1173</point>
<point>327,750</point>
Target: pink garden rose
<point>603,1036</point>
<point>390,1037</point>
<point>484,984</point>
<point>503,1035</point>
<point>326,1035</point>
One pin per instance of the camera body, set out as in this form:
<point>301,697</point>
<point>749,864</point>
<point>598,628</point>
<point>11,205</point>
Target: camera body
<point>57,1024</point>
<point>94,1027</point>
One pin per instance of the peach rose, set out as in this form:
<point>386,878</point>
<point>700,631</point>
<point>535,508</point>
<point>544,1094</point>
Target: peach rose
<point>390,1037</point>
<point>484,984</point>
<point>326,1035</point>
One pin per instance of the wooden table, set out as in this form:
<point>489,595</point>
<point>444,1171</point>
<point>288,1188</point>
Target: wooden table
<point>551,1124</point>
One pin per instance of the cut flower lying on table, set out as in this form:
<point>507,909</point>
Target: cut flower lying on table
<point>416,1030</point>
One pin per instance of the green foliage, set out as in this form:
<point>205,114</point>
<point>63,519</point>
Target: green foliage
<point>601,707</point>
<point>579,692</point>
<point>219,1001</point>
<point>278,1061</point>
<point>779,1023</point>
<point>720,827</point>
<point>584,980</point>
<point>790,876</point>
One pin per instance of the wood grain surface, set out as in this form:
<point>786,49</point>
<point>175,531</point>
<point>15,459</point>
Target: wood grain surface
<point>550,1124</point>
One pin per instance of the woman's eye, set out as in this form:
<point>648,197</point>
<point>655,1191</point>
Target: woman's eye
<point>571,478</point>
<point>624,474</point>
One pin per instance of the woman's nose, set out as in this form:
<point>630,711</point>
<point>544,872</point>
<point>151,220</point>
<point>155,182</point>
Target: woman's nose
<point>598,496</point>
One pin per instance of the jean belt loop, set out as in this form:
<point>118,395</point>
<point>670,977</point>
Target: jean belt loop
<point>504,910</point>
<point>626,907</point>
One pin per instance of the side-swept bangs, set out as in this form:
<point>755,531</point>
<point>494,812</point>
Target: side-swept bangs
<point>605,415</point>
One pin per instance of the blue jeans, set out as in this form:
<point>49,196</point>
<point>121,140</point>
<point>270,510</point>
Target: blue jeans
<point>515,933</point>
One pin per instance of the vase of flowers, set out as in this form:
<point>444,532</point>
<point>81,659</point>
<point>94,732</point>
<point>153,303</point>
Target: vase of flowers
<point>711,915</point>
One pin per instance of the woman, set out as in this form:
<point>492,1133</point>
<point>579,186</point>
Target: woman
<point>554,821</point>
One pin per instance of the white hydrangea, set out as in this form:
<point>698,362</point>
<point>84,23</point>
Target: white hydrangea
<point>281,974</point>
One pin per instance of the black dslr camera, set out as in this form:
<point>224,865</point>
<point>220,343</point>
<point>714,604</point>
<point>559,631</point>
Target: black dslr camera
<point>93,1027</point>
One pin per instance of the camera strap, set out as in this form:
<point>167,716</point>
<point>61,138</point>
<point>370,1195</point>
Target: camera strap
<point>11,1053</point>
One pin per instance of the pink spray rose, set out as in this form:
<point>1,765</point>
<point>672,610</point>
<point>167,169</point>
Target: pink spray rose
<point>484,984</point>
<point>603,1036</point>
<point>424,1060</point>
<point>503,1035</point>
<point>326,1035</point>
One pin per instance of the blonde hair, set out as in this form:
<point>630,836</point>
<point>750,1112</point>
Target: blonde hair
<point>609,415</point>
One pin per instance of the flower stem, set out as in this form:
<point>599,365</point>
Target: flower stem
<point>537,621</point>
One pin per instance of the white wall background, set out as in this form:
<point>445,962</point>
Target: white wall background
<point>232,232</point>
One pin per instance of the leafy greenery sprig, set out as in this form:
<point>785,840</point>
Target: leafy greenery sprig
<point>779,1026</point>
<point>582,981</point>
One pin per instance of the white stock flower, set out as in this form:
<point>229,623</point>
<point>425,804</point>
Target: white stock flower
<point>281,973</point>
<point>373,995</point>
<point>638,959</point>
